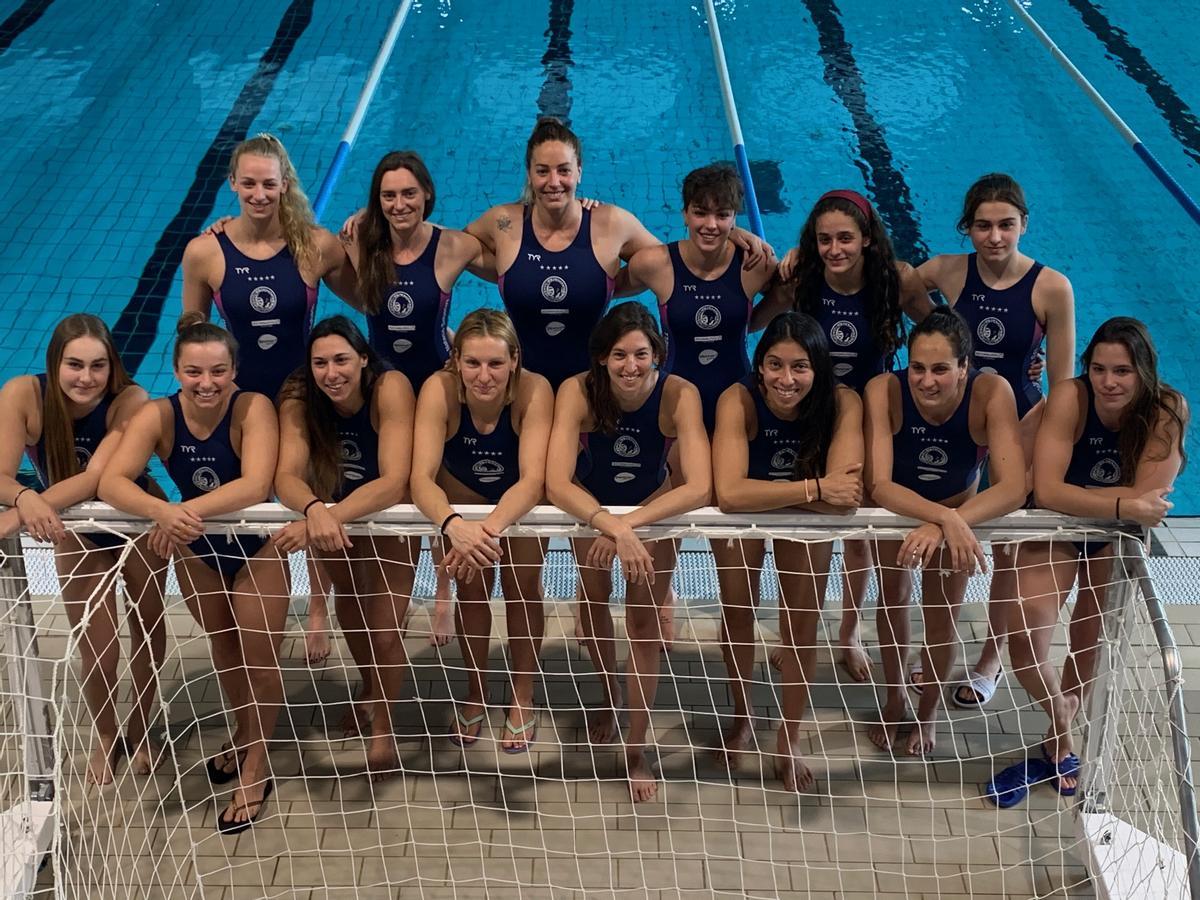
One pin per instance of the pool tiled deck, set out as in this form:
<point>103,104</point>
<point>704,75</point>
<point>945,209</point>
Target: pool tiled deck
<point>558,822</point>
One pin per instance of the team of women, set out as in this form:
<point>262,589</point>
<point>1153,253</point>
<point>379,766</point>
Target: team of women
<point>592,407</point>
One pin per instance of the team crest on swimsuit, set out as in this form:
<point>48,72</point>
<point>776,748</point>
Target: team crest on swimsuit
<point>554,329</point>
<point>488,470</point>
<point>400,305</point>
<point>708,317</point>
<point>206,479</point>
<point>990,331</point>
<point>82,456</point>
<point>843,333</point>
<point>554,289</point>
<point>263,299</point>
<point>783,460</point>
<point>933,456</point>
<point>1106,471</point>
<point>626,446</point>
<point>350,451</point>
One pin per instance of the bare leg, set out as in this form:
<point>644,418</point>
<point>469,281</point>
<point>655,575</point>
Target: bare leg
<point>595,619</point>
<point>521,581</point>
<point>317,646</point>
<point>942,595</point>
<point>803,573</point>
<point>145,575</point>
<point>1003,590</point>
<point>337,577</point>
<point>473,613</point>
<point>645,639</point>
<point>895,593</point>
<point>1087,624</point>
<point>857,565</point>
<point>737,574</point>
<point>442,622</point>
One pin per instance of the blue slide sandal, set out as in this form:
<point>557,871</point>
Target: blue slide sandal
<point>1011,786</point>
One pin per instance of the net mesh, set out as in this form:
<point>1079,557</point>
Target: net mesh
<point>558,819</point>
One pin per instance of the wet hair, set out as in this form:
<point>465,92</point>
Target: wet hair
<point>194,328</point>
<point>717,186</point>
<point>320,417</point>
<point>881,283</point>
<point>993,188</point>
<point>58,428</point>
<point>944,320</point>
<point>619,321</point>
<point>548,128</point>
<point>492,323</point>
<point>295,215</point>
<point>375,269</point>
<point>1155,399</point>
<point>819,407</point>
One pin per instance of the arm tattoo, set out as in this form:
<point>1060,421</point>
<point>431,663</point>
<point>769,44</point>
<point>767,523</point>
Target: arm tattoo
<point>503,222</point>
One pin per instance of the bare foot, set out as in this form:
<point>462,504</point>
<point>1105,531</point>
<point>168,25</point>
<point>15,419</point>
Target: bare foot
<point>469,717</point>
<point>103,759</point>
<point>924,737</point>
<point>604,727</point>
<point>643,785</point>
<point>247,801</point>
<point>736,740</point>
<point>146,757</point>
<point>666,621</point>
<point>317,645</point>
<point>358,718</point>
<point>382,759</point>
<point>790,766</point>
<point>855,660</point>
<point>519,730</point>
<point>776,658</point>
<point>883,733</point>
<point>442,621</point>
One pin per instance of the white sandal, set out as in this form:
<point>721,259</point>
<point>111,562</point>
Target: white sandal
<point>915,671</point>
<point>981,687</point>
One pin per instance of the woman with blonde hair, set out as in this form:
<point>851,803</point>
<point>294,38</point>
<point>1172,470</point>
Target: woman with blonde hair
<point>68,421</point>
<point>482,429</point>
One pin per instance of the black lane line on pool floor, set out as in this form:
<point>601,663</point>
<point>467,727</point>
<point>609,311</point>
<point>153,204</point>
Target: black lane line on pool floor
<point>136,328</point>
<point>555,97</point>
<point>884,180</point>
<point>21,19</point>
<point>1180,119</point>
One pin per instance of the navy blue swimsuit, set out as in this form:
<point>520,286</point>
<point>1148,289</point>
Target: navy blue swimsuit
<point>201,466</point>
<point>705,324</point>
<point>775,444</point>
<point>1095,460</point>
<point>1007,333</point>
<point>358,450</point>
<point>409,331</point>
<point>936,461</point>
<point>488,464</point>
<point>846,321</point>
<point>625,468</point>
<point>268,307</point>
<point>89,432</point>
<point>555,299</point>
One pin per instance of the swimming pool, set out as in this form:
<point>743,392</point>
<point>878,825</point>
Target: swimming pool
<point>118,140</point>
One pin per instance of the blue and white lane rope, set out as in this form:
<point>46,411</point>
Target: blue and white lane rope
<point>731,114</point>
<point>360,110</point>
<point>1173,187</point>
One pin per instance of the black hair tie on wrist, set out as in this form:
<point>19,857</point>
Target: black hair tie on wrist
<point>309,505</point>
<point>446,521</point>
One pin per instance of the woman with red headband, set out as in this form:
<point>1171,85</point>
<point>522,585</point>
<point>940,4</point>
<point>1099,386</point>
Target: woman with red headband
<point>845,275</point>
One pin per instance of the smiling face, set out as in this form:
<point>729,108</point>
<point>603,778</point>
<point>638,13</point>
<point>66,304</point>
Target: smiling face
<point>84,371</point>
<point>205,372</point>
<point>485,365</point>
<point>630,363</point>
<point>840,243</point>
<point>935,376</point>
<point>1114,378</point>
<point>787,375</point>
<point>337,369</point>
<point>402,200</point>
<point>554,173</point>
<point>708,225</point>
<point>259,185</point>
<point>996,230</point>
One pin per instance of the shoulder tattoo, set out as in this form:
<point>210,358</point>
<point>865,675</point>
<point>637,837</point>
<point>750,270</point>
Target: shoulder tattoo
<point>503,222</point>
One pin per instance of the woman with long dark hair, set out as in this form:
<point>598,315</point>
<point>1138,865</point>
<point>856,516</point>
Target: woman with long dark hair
<point>1110,446</point>
<point>68,421</point>
<point>788,436</point>
<point>483,426</point>
<point>844,273</point>
<point>612,430</point>
<point>345,428</point>
<point>929,429</point>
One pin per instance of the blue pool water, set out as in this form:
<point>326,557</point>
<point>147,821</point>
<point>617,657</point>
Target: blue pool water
<point>120,117</point>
